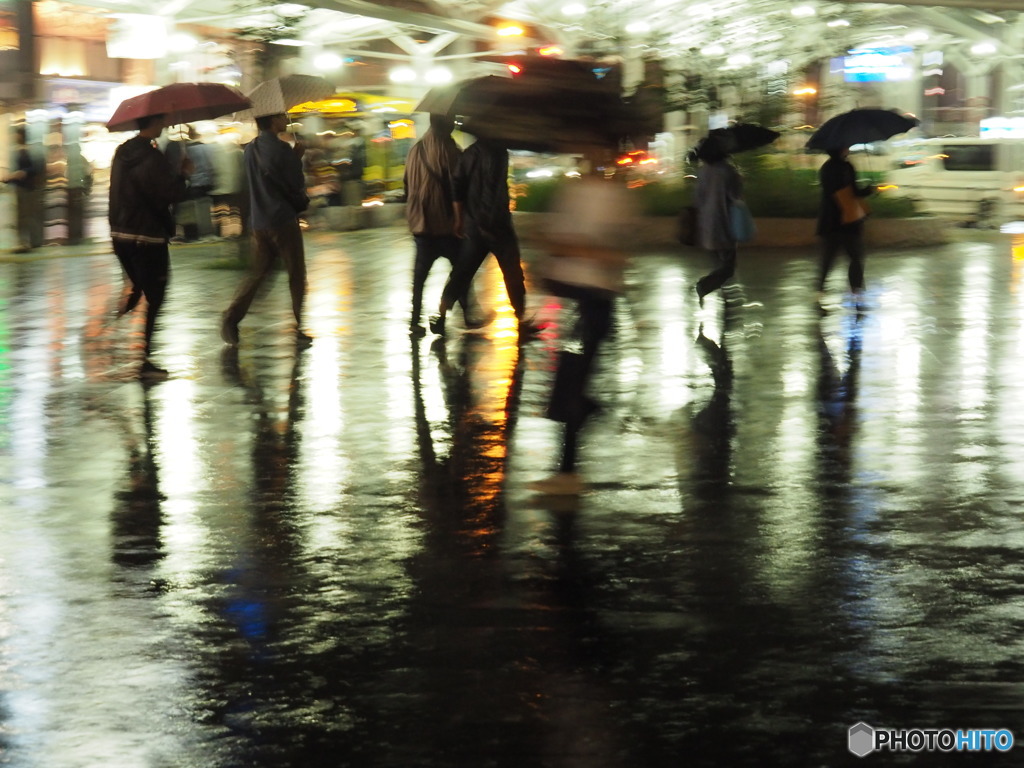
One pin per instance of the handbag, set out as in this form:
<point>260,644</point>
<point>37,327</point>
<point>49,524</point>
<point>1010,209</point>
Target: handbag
<point>567,398</point>
<point>741,223</point>
<point>852,208</point>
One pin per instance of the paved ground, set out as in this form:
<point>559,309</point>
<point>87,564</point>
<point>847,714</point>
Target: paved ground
<point>329,557</point>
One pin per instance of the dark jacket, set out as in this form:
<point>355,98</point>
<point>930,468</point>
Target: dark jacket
<point>481,185</point>
<point>142,189</point>
<point>277,185</point>
<point>836,173</point>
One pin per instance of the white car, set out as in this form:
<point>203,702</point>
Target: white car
<point>975,181</point>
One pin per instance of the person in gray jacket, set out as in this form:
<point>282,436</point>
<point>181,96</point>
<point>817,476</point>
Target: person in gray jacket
<point>718,184</point>
<point>277,195</point>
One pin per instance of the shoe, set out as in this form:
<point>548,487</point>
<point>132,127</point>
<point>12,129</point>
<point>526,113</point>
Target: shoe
<point>151,372</point>
<point>417,331</point>
<point>229,332</point>
<point>559,484</point>
<point>436,324</point>
<point>700,296</point>
<point>302,339</point>
<point>21,249</point>
<point>528,330</point>
<point>483,322</point>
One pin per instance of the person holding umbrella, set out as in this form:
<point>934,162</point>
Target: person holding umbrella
<point>718,185</point>
<point>277,195</point>
<point>843,210</point>
<point>841,220</point>
<point>143,187</point>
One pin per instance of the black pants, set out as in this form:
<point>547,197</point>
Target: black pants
<point>148,266</point>
<point>712,281</point>
<point>593,326</point>
<point>851,239</point>
<point>475,246</point>
<point>430,248</point>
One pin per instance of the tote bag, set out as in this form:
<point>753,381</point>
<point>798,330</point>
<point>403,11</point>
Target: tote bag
<point>741,223</point>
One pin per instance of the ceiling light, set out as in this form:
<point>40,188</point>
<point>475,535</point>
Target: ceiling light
<point>574,9</point>
<point>917,36</point>
<point>983,49</point>
<point>402,75</point>
<point>439,75</point>
<point>327,61</point>
<point>713,50</point>
<point>802,11</point>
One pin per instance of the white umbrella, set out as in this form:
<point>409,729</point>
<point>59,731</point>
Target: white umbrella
<point>277,96</point>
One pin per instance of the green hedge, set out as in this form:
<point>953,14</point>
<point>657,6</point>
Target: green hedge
<point>771,188</point>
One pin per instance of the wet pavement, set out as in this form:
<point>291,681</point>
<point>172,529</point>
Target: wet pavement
<point>329,557</point>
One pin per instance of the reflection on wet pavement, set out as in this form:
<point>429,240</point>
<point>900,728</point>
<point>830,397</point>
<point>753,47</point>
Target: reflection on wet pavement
<point>329,557</point>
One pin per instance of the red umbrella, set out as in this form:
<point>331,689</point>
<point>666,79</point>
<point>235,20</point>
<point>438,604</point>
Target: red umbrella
<point>181,102</point>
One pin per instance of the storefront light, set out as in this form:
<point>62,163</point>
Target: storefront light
<point>439,76</point>
<point>327,61</point>
<point>181,42</point>
<point>574,9</point>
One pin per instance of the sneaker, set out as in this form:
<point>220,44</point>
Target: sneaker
<point>151,372</point>
<point>528,330</point>
<point>559,484</point>
<point>436,323</point>
<point>229,332</point>
<point>302,339</point>
<point>481,322</point>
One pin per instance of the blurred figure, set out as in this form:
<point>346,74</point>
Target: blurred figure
<point>841,220</point>
<point>142,189</point>
<point>588,244</point>
<point>484,222</point>
<point>277,196</point>
<point>226,195</point>
<point>29,181</point>
<point>718,184</point>
<point>430,212</point>
<point>350,169</point>
<point>79,187</point>
<point>194,214</point>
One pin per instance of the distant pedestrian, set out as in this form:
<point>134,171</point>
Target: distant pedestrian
<point>483,220</point>
<point>28,180</point>
<point>143,187</point>
<point>194,214</point>
<point>277,195</point>
<point>841,220</point>
<point>430,210</point>
<point>718,185</point>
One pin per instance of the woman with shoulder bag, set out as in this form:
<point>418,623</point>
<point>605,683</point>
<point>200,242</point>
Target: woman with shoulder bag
<point>841,220</point>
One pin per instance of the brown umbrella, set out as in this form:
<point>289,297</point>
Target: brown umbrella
<point>181,102</point>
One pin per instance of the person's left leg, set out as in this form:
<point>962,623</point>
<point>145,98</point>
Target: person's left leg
<point>726,258</point>
<point>854,244</point>
<point>290,245</point>
<point>505,248</point>
<point>151,264</point>
<point>467,255</point>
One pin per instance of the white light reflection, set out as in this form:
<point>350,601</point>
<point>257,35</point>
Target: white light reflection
<point>676,347</point>
<point>324,466</point>
<point>184,532</point>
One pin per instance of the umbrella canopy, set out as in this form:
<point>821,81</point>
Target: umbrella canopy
<point>541,115</point>
<point>860,126</point>
<point>181,102</point>
<point>743,137</point>
<point>278,95</point>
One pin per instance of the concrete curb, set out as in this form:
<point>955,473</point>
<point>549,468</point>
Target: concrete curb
<point>661,231</point>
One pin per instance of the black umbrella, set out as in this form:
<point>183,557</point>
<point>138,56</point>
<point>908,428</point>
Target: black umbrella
<point>743,137</point>
<point>860,126</point>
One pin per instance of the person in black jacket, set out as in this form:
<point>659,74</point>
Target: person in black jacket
<point>28,180</point>
<point>143,186</point>
<point>841,219</point>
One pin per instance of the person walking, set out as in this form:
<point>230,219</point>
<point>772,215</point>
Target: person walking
<point>841,220</point>
<point>588,241</point>
<point>718,185</point>
<point>28,180</point>
<point>143,187</point>
<point>483,221</point>
<point>277,195</point>
<point>430,211</point>
<point>194,215</point>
